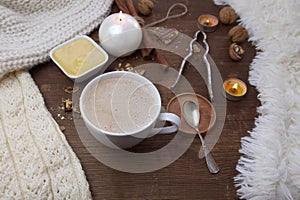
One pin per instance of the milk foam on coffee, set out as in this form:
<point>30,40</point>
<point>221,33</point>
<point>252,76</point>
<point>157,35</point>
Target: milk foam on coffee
<point>120,105</point>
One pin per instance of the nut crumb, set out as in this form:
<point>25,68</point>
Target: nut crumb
<point>66,104</point>
<point>128,67</point>
<point>70,89</point>
<point>61,117</point>
<point>140,72</point>
<point>62,128</point>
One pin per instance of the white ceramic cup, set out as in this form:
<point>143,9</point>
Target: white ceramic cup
<point>129,139</point>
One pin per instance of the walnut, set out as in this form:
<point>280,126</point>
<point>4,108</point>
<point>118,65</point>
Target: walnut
<point>145,7</point>
<point>238,34</point>
<point>227,15</point>
<point>236,52</point>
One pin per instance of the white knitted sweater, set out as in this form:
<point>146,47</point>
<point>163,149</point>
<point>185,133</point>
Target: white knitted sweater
<point>36,161</point>
<point>29,29</point>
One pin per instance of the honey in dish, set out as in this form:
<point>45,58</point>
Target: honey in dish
<point>78,56</point>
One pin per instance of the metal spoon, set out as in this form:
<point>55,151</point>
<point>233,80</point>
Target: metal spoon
<point>191,115</point>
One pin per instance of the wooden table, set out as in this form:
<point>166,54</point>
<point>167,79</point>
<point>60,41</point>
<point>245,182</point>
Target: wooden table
<point>187,177</point>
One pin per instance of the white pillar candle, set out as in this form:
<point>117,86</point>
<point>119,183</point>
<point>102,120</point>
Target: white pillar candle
<point>120,34</point>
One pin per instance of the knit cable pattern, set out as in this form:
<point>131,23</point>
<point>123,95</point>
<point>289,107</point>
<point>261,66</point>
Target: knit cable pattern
<point>36,160</point>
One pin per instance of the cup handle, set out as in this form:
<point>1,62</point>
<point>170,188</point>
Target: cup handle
<point>174,119</point>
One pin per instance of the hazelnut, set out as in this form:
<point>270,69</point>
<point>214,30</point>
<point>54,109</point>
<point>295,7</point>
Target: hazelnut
<point>238,34</point>
<point>145,7</point>
<point>236,52</point>
<point>227,15</point>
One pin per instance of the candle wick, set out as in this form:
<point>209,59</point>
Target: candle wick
<point>207,22</point>
<point>233,90</point>
<point>121,16</point>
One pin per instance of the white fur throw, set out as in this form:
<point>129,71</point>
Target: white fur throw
<point>269,167</point>
<point>36,162</point>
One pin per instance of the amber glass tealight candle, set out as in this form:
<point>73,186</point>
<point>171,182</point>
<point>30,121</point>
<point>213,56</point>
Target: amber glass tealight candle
<point>208,23</point>
<point>234,89</point>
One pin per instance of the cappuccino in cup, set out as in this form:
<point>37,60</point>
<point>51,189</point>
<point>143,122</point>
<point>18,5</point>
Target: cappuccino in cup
<point>120,109</point>
<point>120,105</point>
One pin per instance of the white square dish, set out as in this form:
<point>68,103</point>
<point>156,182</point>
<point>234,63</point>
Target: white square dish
<point>79,58</point>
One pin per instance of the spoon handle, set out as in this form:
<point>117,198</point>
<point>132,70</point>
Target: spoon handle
<point>210,161</point>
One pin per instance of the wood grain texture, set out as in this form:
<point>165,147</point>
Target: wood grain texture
<point>187,177</point>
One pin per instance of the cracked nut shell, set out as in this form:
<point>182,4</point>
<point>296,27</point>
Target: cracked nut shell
<point>236,52</point>
<point>145,7</point>
<point>238,34</point>
<point>227,15</point>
